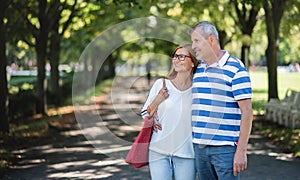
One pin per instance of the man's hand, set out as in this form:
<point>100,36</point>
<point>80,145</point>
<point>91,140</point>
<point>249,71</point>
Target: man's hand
<point>240,161</point>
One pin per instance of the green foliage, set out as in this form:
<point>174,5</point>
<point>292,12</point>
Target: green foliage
<point>96,16</point>
<point>288,53</point>
<point>133,52</point>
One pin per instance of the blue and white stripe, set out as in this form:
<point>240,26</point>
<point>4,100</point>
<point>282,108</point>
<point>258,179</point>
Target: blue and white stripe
<point>216,89</point>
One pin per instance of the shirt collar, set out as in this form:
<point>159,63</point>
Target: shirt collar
<point>224,58</point>
<point>219,63</point>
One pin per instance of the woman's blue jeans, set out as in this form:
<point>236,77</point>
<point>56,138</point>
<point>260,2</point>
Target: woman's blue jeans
<point>166,168</point>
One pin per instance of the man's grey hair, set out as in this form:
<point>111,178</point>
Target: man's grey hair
<point>207,28</point>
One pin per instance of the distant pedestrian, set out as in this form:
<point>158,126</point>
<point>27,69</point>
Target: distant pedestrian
<point>294,67</point>
<point>148,69</point>
<point>221,110</point>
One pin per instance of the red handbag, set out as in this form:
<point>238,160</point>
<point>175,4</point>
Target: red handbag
<point>138,154</point>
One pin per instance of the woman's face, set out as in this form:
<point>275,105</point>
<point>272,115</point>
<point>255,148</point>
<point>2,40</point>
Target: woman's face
<point>182,61</point>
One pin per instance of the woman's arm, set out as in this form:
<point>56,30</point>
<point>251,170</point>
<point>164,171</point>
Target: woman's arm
<point>154,99</point>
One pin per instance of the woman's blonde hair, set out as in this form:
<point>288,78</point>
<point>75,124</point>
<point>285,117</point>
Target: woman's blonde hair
<point>172,74</point>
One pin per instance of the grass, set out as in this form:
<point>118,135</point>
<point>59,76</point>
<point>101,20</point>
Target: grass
<point>285,137</point>
<point>285,81</point>
<point>16,80</point>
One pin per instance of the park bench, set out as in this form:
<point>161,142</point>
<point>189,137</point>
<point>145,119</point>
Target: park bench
<point>274,103</point>
<point>287,115</point>
<point>286,111</point>
<point>294,117</point>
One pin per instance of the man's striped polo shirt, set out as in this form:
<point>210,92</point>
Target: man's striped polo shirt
<point>216,89</point>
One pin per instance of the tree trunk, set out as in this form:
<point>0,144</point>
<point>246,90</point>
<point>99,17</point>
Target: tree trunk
<point>4,125</point>
<point>55,90</point>
<point>271,53</point>
<point>107,69</point>
<point>274,11</point>
<point>56,36</point>
<point>243,54</point>
<point>223,38</point>
<point>41,50</point>
<point>41,105</point>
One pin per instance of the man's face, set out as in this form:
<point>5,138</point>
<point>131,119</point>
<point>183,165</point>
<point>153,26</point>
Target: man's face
<point>200,44</point>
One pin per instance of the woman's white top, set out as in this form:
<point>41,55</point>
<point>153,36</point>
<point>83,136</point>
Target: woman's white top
<point>174,114</point>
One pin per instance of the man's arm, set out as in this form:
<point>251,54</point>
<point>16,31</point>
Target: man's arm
<point>240,158</point>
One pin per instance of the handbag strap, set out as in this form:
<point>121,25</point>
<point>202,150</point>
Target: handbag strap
<point>164,82</point>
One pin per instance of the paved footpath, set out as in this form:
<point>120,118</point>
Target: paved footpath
<point>95,149</point>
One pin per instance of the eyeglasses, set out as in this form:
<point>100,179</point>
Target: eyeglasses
<point>181,57</point>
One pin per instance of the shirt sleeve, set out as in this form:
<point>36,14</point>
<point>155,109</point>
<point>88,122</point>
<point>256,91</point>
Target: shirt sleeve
<point>151,96</point>
<point>241,85</point>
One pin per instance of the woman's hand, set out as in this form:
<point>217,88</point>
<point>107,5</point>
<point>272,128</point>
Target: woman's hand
<point>156,125</point>
<point>163,94</point>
